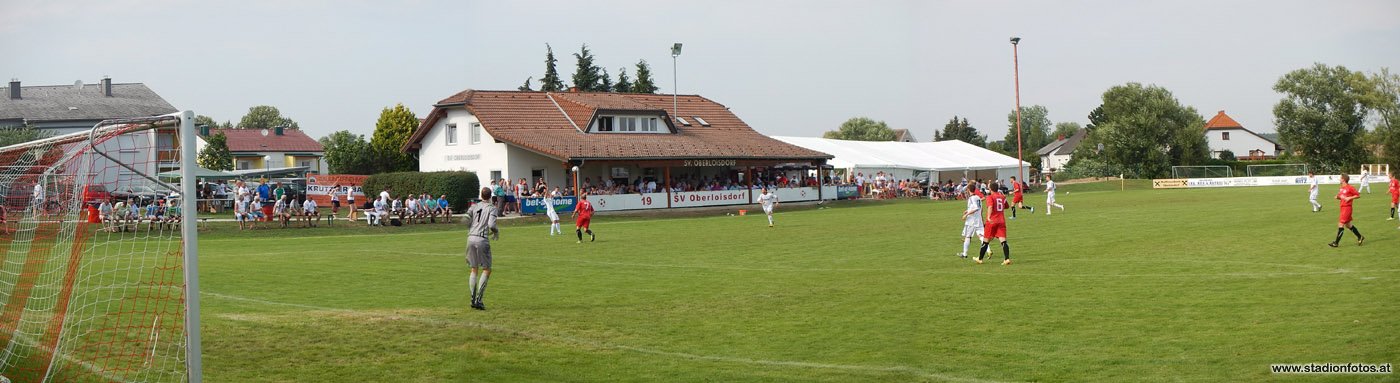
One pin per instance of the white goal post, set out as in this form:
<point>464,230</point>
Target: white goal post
<point>1202,171</point>
<point>99,254</point>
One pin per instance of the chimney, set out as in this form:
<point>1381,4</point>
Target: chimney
<point>14,89</point>
<point>107,86</point>
<point>279,130</point>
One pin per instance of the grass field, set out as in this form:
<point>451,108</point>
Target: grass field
<point>1179,285</point>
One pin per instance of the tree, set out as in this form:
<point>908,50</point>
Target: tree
<point>1035,132</point>
<point>607,85</point>
<point>624,85</point>
<point>390,133</point>
<point>1064,130</point>
<point>1322,115</point>
<point>862,129</point>
<point>265,117</point>
<point>587,76</point>
<point>644,83</point>
<point>960,130</point>
<point>215,155</point>
<point>526,86</point>
<point>1146,131</point>
<point>206,121</point>
<point>11,135</point>
<point>348,153</point>
<point>550,82</point>
<point>1096,118</point>
<point>1387,132</point>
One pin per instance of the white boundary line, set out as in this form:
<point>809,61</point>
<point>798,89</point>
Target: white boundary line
<point>595,344</point>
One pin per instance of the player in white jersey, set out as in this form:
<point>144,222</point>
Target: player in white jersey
<point>769,201</point>
<point>1365,179</point>
<point>553,215</point>
<point>1050,195</point>
<point>1312,192</point>
<point>972,219</point>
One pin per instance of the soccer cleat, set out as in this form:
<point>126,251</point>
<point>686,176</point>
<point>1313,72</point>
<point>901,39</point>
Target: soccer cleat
<point>1390,219</point>
<point>592,237</point>
<point>1361,240</point>
<point>1006,262</point>
<point>1332,244</point>
<point>963,255</point>
<point>579,242</point>
<point>979,260</point>
<point>1032,209</point>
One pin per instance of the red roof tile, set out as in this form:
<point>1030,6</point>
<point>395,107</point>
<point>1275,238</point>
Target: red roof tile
<point>541,122</point>
<point>252,140</point>
<point>1222,121</point>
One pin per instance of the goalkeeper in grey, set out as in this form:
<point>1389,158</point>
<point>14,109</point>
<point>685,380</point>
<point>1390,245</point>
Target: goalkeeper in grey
<point>483,222</point>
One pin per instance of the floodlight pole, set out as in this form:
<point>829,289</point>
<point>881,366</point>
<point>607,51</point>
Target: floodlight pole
<point>189,234</point>
<point>1016,68</point>
<point>675,87</point>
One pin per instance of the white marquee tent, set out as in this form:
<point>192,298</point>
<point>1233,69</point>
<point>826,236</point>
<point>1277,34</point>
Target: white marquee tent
<point>951,159</point>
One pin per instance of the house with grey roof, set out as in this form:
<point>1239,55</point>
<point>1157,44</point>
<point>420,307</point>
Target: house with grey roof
<point>1055,155</point>
<point>68,109</point>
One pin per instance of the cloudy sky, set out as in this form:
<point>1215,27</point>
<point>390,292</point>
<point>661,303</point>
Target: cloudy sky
<point>786,67</point>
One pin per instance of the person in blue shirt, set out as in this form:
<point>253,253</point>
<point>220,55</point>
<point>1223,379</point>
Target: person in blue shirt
<point>446,210</point>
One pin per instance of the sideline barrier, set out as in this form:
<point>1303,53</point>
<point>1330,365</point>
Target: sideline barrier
<point>1179,183</point>
<point>620,202</point>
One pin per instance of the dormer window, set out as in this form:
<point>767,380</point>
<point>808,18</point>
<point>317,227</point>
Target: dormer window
<point>628,124</point>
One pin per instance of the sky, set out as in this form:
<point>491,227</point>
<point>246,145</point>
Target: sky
<point>790,68</point>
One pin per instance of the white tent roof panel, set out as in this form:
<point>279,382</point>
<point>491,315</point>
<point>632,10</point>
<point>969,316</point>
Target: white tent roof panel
<point>941,156</point>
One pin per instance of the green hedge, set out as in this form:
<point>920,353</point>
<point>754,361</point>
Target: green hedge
<point>460,187</point>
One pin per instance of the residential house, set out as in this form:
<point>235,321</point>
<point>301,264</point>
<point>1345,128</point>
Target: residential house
<point>1225,134</point>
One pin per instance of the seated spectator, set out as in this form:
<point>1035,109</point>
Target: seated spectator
<point>310,211</point>
<point>446,211</point>
<point>280,212</point>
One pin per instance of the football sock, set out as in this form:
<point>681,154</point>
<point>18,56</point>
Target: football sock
<point>966,240</point>
<point>1392,212</point>
<point>770,220</point>
<point>590,236</point>
<point>982,253</point>
<point>1013,213</point>
<point>1354,231</point>
<point>1005,250</point>
<point>471,282</point>
<point>481,287</point>
<point>1339,235</point>
<point>580,234</point>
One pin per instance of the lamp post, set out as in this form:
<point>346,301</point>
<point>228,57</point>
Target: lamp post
<point>1016,68</point>
<point>675,110</point>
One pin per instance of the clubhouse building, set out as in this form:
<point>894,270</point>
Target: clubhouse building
<point>613,138</point>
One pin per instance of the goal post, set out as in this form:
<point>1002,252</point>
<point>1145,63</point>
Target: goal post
<point>1202,171</point>
<point>98,255</point>
<point>1276,170</point>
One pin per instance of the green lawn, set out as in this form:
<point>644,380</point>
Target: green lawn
<point>1176,285</point>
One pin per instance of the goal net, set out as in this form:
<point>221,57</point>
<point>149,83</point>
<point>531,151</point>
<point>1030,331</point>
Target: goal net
<point>92,266</point>
<point>1275,170</point>
<point>1202,171</point>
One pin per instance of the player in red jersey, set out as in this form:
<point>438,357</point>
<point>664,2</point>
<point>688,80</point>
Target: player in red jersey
<point>1016,189</point>
<point>1394,195</point>
<point>996,225</point>
<point>1346,195</point>
<point>583,214</point>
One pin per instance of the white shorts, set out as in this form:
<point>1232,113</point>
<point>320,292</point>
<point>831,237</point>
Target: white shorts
<point>768,210</point>
<point>972,231</point>
<point>1312,196</point>
<point>1050,198</point>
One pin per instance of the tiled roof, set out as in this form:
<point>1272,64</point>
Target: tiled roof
<point>1064,146</point>
<point>541,122</point>
<point>252,140</point>
<point>66,102</point>
<point>1222,121</point>
<point>904,135</point>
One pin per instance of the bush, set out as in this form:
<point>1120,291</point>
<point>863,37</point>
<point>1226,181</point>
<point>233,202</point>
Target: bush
<point>460,187</point>
<point>1092,168</point>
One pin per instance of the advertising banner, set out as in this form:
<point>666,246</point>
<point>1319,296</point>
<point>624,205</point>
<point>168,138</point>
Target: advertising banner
<point>615,202</point>
<point>1169,183</point>
<point>847,192</point>
<point>319,188</point>
<point>710,198</point>
<point>535,205</point>
<point>793,194</point>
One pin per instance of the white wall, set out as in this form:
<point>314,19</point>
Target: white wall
<point>1054,161</point>
<point>1240,143</point>
<point>483,157</point>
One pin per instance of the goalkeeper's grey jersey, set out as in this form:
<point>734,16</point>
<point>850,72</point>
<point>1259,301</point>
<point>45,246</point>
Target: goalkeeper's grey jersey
<point>483,219</point>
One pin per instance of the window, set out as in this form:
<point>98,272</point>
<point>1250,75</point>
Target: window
<point>304,163</point>
<point>476,133</point>
<point>537,174</point>
<point>1225,136</point>
<point>650,125</point>
<point>700,120</point>
<point>495,175</point>
<point>682,121</point>
<point>605,124</point>
<point>451,134</point>
<point>244,165</point>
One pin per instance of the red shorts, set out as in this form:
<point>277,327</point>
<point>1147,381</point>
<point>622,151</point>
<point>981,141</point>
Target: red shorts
<point>994,230</point>
<point>1394,199</point>
<point>1016,198</point>
<point>1346,215</point>
<point>582,222</point>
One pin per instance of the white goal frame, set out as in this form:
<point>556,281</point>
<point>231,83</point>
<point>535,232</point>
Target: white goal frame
<point>1250,169</point>
<point>1181,171</point>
